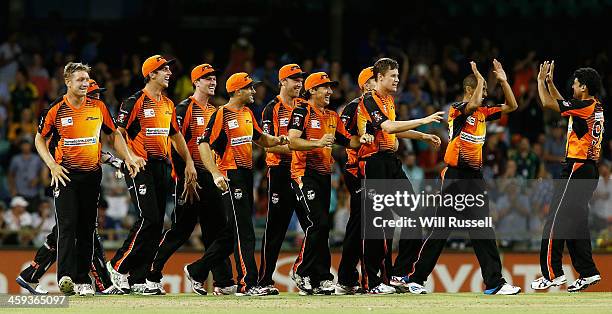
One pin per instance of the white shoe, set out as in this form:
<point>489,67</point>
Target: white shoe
<point>66,285</point>
<point>32,287</point>
<point>399,283</point>
<point>269,290</point>
<point>505,289</point>
<point>327,287</point>
<point>251,292</point>
<point>382,289</point>
<point>303,283</point>
<point>225,290</point>
<point>118,279</point>
<point>346,290</point>
<point>138,288</point>
<point>152,288</point>
<point>112,290</point>
<point>543,283</point>
<point>583,283</point>
<point>415,288</point>
<point>196,286</point>
<point>85,290</point>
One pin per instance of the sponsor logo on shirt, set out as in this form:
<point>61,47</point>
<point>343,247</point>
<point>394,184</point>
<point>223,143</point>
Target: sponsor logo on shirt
<point>67,121</point>
<point>82,141</point>
<point>232,124</point>
<point>472,138</point>
<point>283,121</point>
<point>241,140</point>
<point>200,120</point>
<point>471,120</point>
<point>157,131</point>
<point>149,113</point>
<point>315,124</point>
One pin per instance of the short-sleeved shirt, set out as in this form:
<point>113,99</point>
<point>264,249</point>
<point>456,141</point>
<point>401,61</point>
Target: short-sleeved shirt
<point>585,128</point>
<point>374,109</point>
<point>25,170</point>
<point>148,123</point>
<point>467,134</point>
<point>275,121</point>
<point>314,123</point>
<point>349,119</point>
<point>192,118</point>
<point>230,134</point>
<point>74,133</point>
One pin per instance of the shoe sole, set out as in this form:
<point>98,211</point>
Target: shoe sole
<point>22,283</point>
<point>585,286</point>
<point>150,293</point>
<point>67,287</point>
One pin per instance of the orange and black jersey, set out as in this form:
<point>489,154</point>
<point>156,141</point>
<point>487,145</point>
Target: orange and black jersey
<point>467,134</point>
<point>349,119</point>
<point>231,134</point>
<point>74,133</point>
<point>585,128</point>
<point>374,109</point>
<point>275,121</point>
<point>192,118</point>
<point>314,123</point>
<point>148,123</point>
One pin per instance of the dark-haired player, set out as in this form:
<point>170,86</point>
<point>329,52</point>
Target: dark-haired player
<point>467,124</point>
<point>378,161</point>
<point>567,222</point>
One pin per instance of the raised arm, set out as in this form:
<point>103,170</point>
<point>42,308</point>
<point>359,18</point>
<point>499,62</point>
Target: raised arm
<point>476,99</point>
<point>510,104</point>
<point>547,100</point>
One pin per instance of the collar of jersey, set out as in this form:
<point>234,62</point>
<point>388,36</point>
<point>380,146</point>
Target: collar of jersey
<point>152,98</point>
<point>73,107</point>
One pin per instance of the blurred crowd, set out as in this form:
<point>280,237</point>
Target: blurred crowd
<point>522,152</point>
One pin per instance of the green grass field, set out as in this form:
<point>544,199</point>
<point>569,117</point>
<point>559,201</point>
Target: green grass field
<point>292,303</point>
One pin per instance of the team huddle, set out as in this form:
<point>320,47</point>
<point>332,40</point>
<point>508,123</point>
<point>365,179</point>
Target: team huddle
<point>207,150</point>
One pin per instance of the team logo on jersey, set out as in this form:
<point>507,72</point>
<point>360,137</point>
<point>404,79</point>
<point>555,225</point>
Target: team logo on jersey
<point>149,113</point>
<point>310,195</point>
<point>67,121</point>
<point>200,120</point>
<point>142,189</point>
<point>377,116</point>
<point>56,192</point>
<point>315,124</point>
<point>275,198</point>
<point>232,124</point>
<point>121,117</point>
<point>266,128</point>
<point>566,103</point>
<point>296,120</point>
<point>283,122</point>
<point>471,120</point>
<point>237,194</point>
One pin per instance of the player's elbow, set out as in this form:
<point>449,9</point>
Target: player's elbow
<point>389,127</point>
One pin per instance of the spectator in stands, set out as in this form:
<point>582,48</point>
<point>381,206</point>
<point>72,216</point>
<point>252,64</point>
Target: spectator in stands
<point>413,171</point>
<point>554,150</point>
<point>10,54</point>
<point>416,98</point>
<point>18,222</point>
<point>26,175</point>
<point>43,222</point>
<point>25,128</point>
<point>512,213</point>
<point>23,94</point>
<point>601,203</point>
<point>527,163</point>
<point>495,153</point>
